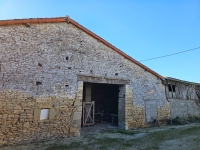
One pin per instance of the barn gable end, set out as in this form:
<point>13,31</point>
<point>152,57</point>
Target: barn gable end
<point>45,70</point>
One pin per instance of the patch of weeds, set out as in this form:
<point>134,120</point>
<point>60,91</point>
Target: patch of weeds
<point>152,148</point>
<point>181,121</point>
<point>105,143</point>
<point>126,132</point>
<point>178,121</point>
<point>195,139</point>
<point>158,136</point>
<point>126,144</point>
<point>109,131</point>
<point>191,119</point>
<point>192,130</point>
<point>103,147</point>
<point>89,136</point>
<point>146,131</point>
<point>73,145</point>
<point>152,140</point>
<point>46,144</point>
<point>196,118</point>
<point>108,140</point>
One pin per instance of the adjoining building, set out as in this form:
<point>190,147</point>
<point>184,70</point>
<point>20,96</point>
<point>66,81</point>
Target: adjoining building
<point>57,76</point>
<point>184,98</point>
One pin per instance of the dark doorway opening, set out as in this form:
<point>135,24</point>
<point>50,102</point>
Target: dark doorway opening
<point>105,97</point>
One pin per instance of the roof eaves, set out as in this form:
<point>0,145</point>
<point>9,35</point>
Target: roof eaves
<point>178,80</point>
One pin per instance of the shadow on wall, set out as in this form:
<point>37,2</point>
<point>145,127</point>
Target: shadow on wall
<point>197,89</point>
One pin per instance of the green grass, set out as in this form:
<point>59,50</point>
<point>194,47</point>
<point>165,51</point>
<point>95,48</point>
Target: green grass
<point>73,145</point>
<point>105,143</point>
<point>126,132</point>
<point>155,139</point>
<point>194,130</point>
<point>89,136</point>
<point>151,141</point>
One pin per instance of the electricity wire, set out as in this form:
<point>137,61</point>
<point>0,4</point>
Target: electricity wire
<point>171,54</point>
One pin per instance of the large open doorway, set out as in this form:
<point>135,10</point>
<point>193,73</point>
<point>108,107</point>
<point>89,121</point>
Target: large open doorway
<point>100,103</point>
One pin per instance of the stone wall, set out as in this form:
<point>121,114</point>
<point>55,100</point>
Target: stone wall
<point>183,108</point>
<point>20,116</point>
<point>136,115</point>
<point>40,67</point>
<point>183,98</point>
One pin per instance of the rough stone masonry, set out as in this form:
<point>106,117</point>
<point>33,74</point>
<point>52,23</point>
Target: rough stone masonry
<point>39,69</point>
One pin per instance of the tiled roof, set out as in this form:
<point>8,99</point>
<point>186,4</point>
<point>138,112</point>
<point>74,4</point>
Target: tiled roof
<point>69,20</point>
<point>31,20</point>
<point>178,80</point>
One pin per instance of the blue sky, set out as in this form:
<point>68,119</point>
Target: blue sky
<point>143,29</point>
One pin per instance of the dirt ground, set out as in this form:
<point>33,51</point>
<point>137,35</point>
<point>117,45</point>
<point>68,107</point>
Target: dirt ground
<point>104,136</point>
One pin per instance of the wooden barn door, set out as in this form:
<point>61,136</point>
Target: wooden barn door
<point>88,107</point>
<point>88,113</point>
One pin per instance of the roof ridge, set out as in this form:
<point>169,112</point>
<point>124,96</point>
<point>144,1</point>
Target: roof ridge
<point>69,20</point>
<point>31,20</point>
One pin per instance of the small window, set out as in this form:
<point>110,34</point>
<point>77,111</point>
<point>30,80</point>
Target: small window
<point>169,87</point>
<point>44,114</point>
<point>173,88</point>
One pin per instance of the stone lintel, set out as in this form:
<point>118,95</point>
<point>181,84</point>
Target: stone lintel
<point>98,79</point>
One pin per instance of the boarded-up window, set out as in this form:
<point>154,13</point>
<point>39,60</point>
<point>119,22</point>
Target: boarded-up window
<point>151,110</point>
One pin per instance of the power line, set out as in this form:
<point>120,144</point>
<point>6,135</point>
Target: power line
<point>171,54</point>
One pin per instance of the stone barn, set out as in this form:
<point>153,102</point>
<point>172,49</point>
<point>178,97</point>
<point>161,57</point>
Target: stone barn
<point>57,76</point>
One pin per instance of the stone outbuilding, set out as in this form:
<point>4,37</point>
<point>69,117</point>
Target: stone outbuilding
<point>53,71</point>
<point>184,98</point>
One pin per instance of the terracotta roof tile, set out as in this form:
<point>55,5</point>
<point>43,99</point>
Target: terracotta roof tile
<point>64,19</point>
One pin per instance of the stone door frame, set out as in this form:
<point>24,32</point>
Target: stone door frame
<point>124,99</point>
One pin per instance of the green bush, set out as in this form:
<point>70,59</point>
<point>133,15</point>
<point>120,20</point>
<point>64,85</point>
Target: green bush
<point>179,121</point>
<point>197,118</point>
<point>191,118</point>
